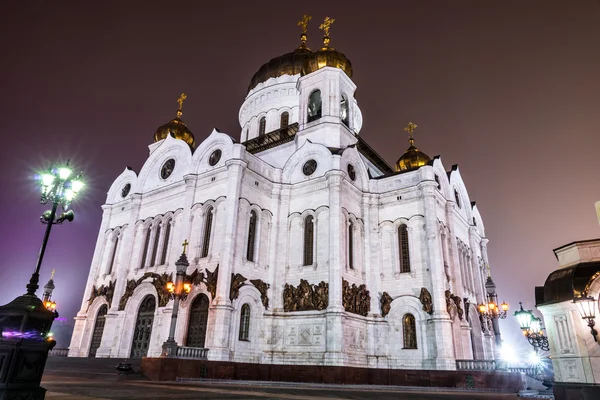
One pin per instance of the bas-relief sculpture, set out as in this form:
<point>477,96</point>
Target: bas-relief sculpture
<point>454,302</point>
<point>262,288</point>
<point>237,281</point>
<point>386,303</point>
<point>211,281</point>
<point>106,291</point>
<point>306,296</point>
<point>426,301</point>
<point>356,299</point>
<point>158,281</point>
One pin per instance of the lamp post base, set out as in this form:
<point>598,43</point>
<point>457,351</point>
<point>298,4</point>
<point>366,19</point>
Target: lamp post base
<point>169,349</point>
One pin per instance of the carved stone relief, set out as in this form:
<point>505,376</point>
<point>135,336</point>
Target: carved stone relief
<point>356,299</point>
<point>106,291</point>
<point>386,303</point>
<point>211,281</point>
<point>237,281</point>
<point>262,288</point>
<point>306,296</point>
<point>158,281</point>
<point>426,301</point>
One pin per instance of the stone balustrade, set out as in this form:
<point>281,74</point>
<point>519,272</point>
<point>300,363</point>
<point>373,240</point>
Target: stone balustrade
<point>476,365</point>
<point>192,353</point>
<point>58,352</point>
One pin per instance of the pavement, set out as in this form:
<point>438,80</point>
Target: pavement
<point>91,379</point>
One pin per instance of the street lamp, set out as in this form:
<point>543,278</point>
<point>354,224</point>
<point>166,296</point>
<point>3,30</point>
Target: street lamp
<point>532,328</point>
<point>586,305</point>
<point>59,188</point>
<point>47,298</point>
<point>177,291</point>
<point>490,310</point>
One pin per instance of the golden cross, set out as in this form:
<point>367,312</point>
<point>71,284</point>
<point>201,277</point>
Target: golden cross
<point>326,25</point>
<point>185,245</point>
<point>487,266</point>
<point>180,100</point>
<point>410,128</point>
<point>52,276</point>
<point>303,24</point>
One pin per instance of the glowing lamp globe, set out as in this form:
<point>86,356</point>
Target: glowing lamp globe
<point>524,318</point>
<point>586,307</point>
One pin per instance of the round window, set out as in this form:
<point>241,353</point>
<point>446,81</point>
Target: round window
<point>351,172</point>
<point>309,167</point>
<point>125,190</point>
<point>214,157</point>
<point>167,168</point>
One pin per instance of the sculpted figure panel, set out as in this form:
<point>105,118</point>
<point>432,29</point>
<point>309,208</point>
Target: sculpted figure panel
<point>426,301</point>
<point>356,299</point>
<point>306,296</point>
<point>106,291</point>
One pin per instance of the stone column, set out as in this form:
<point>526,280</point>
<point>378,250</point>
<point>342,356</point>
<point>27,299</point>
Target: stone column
<point>220,315</point>
<point>278,247</point>
<point>335,309</point>
<point>440,323</point>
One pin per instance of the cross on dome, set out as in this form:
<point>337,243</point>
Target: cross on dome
<point>410,128</point>
<point>303,24</point>
<point>325,27</point>
<point>185,245</point>
<point>180,101</point>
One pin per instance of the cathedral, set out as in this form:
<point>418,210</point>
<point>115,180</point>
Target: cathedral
<point>305,246</point>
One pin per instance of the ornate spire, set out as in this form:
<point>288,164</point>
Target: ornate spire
<point>325,27</point>
<point>52,275</point>
<point>180,101</point>
<point>303,24</point>
<point>410,128</point>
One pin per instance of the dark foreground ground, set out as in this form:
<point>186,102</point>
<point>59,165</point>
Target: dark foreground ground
<point>79,379</point>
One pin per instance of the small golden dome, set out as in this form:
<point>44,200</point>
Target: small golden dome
<point>327,57</point>
<point>412,158</point>
<point>176,128</point>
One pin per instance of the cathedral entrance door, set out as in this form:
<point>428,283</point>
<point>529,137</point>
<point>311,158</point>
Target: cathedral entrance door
<point>143,328</point>
<point>198,319</point>
<point>98,330</point>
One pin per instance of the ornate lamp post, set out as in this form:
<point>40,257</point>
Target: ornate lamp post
<point>532,328</point>
<point>586,305</point>
<point>491,310</point>
<point>25,322</point>
<point>178,291</point>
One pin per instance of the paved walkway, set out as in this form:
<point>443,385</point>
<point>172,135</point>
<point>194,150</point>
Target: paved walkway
<point>81,379</point>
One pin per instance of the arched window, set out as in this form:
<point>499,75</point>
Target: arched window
<point>262,126</point>
<point>409,331</point>
<point>114,254</point>
<point>285,120</point>
<point>251,236</point>
<point>344,111</point>
<point>309,230</point>
<point>146,245</point>
<point>457,198</point>
<point>245,323</point>
<point>351,245</point>
<point>155,247</point>
<point>207,230</point>
<point>163,257</point>
<point>314,106</point>
<point>403,248</point>
<point>437,180</point>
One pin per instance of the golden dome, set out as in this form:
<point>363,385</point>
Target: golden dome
<point>176,127</point>
<point>412,158</point>
<point>327,57</point>
<point>287,64</point>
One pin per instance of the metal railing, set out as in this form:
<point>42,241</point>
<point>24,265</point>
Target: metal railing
<point>193,353</point>
<point>476,365</point>
<point>271,139</point>
<point>58,353</point>
<point>529,371</point>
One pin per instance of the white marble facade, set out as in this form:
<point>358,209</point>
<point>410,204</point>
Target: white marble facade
<point>446,242</point>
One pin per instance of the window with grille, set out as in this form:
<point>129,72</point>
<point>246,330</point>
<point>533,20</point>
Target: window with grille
<point>262,126</point>
<point>146,245</point>
<point>309,230</point>
<point>163,257</point>
<point>114,255</point>
<point>409,331</point>
<point>251,236</point>
<point>207,231</point>
<point>351,245</point>
<point>245,322</point>
<point>155,247</point>
<point>403,248</point>
<point>285,120</point>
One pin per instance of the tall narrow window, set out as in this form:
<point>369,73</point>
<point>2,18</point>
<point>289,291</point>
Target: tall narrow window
<point>457,198</point>
<point>285,120</point>
<point>245,322</point>
<point>351,245</point>
<point>409,331</point>
<point>344,113</point>
<point>146,245</point>
<point>262,126</point>
<point>155,247</point>
<point>163,257</point>
<point>114,255</point>
<point>314,106</point>
<point>309,230</point>
<point>251,236</point>
<point>207,230</point>
<point>403,248</point>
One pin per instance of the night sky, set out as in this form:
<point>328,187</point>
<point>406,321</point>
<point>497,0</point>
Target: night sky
<point>509,90</point>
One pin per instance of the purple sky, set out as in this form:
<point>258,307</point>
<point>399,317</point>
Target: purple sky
<point>509,91</point>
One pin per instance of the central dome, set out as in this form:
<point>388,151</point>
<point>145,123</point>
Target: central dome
<point>287,64</point>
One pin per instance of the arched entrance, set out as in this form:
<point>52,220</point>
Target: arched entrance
<point>197,324</point>
<point>98,330</point>
<point>476,334</point>
<point>143,328</point>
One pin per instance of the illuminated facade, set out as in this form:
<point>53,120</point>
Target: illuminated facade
<point>305,245</point>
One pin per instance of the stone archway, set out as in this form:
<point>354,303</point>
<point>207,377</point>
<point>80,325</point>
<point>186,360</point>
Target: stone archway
<point>476,334</point>
<point>143,327</point>
<point>98,330</point>
<point>198,320</point>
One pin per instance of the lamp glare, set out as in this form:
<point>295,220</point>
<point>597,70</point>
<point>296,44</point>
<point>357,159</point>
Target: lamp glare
<point>76,186</point>
<point>47,179</point>
<point>64,173</point>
